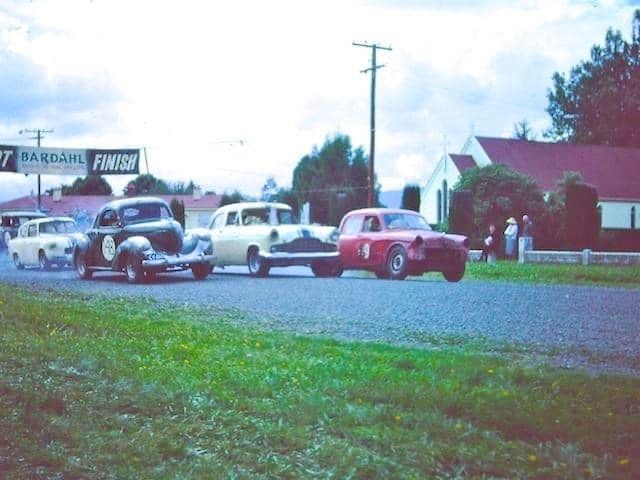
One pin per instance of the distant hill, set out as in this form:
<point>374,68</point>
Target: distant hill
<point>391,198</point>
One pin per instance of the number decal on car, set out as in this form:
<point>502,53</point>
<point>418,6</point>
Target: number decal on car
<point>108,247</point>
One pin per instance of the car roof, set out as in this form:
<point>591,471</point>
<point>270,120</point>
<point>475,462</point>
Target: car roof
<point>381,211</point>
<point>132,201</point>
<point>48,220</point>
<point>246,205</point>
<point>22,213</point>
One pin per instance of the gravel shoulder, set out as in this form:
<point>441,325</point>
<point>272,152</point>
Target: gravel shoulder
<point>596,329</point>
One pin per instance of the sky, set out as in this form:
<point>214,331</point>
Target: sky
<point>228,94</point>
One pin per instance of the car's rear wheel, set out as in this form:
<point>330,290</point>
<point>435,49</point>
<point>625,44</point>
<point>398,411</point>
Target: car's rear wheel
<point>17,262</point>
<point>258,266</point>
<point>82,270</point>
<point>455,273</point>
<point>326,269</point>
<point>201,270</point>
<point>42,260</point>
<point>133,269</point>
<point>397,263</point>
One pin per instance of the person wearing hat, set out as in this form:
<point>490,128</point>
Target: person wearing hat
<point>510,238</point>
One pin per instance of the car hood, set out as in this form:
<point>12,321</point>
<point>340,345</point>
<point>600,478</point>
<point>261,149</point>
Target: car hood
<point>164,235</point>
<point>431,239</point>
<point>287,233</point>
<point>73,237</point>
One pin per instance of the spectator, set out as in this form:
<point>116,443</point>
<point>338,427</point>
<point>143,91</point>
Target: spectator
<point>527,232</point>
<point>510,238</point>
<point>490,245</point>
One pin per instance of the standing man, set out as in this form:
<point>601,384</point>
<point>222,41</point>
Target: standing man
<point>527,231</point>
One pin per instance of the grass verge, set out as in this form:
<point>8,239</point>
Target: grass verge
<point>115,388</point>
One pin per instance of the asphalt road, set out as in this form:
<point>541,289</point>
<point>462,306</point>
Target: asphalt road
<point>593,327</point>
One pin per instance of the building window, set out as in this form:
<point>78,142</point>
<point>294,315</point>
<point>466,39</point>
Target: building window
<point>439,202</point>
<point>445,203</point>
<point>633,218</point>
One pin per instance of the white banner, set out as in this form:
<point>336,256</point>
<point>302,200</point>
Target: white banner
<point>55,161</point>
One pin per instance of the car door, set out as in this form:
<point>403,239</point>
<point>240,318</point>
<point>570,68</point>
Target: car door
<point>348,241</point>
<point>30,245</point>
<point>224,231</point>
<point>104,238</point>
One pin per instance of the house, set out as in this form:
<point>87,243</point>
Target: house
<point>613,171</point>
<point>198,207</point>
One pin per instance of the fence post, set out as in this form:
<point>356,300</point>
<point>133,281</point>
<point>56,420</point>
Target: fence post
<point>586,256</point>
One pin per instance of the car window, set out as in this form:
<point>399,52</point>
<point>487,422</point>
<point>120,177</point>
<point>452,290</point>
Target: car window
<point>144,213</point>
<point>285,217</point>
<point>47,227</point>
<point>352,225</point>
<point>33,231</point>
<point>232,218</point>
<point>109,218</point>
<point>255,216</point>
<point>371,224</point>
<point>218,221</point>
<point>23,231</point>
<point>404,221</point>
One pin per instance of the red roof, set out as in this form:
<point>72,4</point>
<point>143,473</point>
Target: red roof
<point>92,203</point>
<point>463,162</point>
<point>614,171</point>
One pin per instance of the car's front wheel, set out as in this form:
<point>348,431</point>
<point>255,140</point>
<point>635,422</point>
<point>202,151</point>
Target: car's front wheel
<point>455,273</point>
<point>133,269</point>
<point>397,263</point>
<point>17,262</point>
<point>258,266</point>
<point>82,269</point>
<point>201,270</point>
<point>42,261</point>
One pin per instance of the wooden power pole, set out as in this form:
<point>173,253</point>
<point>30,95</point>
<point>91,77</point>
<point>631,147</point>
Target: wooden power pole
<point>372,144</point>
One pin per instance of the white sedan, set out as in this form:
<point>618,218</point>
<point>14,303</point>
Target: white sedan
<point>262,235</point>
<point>43,242</point>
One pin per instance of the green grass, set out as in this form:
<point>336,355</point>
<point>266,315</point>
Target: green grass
<point>115,388</point>
<point>505,271</point>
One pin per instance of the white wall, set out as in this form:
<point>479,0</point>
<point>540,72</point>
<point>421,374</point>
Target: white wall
<point>473,148</point>
<point>445,170</point>
<point>618,214</point>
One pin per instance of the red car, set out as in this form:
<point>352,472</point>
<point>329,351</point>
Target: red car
<point>395,243</point>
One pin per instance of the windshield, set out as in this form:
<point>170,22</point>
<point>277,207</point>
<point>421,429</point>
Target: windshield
<point>58,227</point>
<point>144,213</point>
<point>261,216</point>
<point>405,221</point>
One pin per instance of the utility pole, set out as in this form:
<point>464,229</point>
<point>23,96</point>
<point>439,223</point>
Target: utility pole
<point>38,137</point>
<point>372,144</point>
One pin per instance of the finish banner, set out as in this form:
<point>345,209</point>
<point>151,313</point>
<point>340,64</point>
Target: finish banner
<point>69,161</point>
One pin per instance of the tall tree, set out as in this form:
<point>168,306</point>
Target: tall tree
<point>499,193</point>
<point>599,103</point>
<point>411,198</point>
<point>148,184</point>
<point>89,185</point>
<point>333,179</point>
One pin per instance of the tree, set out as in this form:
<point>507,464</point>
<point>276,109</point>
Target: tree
<point>499,193</point>
<point>234,197</point>
<point>148,184</point>
<point>177,207</point>
<point>583,217</point>
<point>411,198</point>
<point>523,131</point>
<point>333,179</point>
<point>599,103</point>
<point>89,185</point>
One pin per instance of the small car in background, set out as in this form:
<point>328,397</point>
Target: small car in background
<point>10,222</point>
<point>262,235</point>
<point>44,242</point>
<point>139,236</point>
<point>394,243</point>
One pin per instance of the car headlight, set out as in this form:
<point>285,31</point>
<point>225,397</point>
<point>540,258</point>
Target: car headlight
<point>51,246</point>
<point>334,236</point>
<point>273,236</point>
